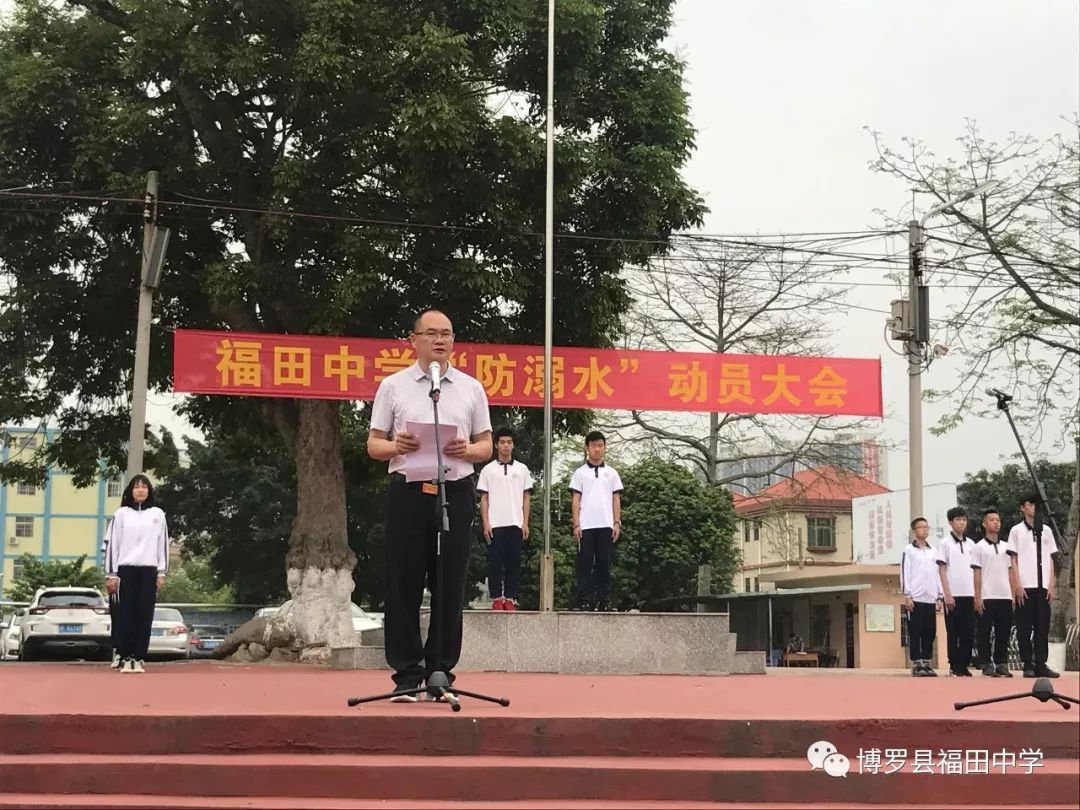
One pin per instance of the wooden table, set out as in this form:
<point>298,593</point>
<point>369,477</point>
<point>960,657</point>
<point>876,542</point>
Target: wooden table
<point>799,659</point>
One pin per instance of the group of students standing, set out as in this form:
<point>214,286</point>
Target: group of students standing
<point>985,587</point>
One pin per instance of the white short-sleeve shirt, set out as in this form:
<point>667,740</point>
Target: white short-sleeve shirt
<point>597,485</point>
<point>505,486</point>
<point>994,561</point>
<point>1022,544</point>
<point>956,556</point>
<point>403,397</point>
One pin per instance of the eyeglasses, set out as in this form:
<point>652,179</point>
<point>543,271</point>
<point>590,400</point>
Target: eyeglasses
<point>436,333</point>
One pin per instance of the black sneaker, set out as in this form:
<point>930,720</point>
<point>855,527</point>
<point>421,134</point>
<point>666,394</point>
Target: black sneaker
<point>1003,671</point>
<point>1043,671</point>
<point>1029,671</point>
<point>990,671</point>
<point>964,672</point>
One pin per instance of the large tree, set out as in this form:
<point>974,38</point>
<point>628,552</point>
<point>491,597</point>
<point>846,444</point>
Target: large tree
<point>1011,261</point>
<point>757,298</point>
<point>327,166</point>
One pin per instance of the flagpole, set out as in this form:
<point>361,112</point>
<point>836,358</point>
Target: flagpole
<point>547,568</point>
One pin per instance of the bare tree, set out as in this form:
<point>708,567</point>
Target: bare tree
<point>1017,260</point>
<point>741,298</point>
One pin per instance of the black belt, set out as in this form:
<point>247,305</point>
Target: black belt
<point>398,479</point>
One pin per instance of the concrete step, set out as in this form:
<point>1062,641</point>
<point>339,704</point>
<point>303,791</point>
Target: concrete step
<point>55,801</point>
<point>500,779</point>
<point>431,729</point>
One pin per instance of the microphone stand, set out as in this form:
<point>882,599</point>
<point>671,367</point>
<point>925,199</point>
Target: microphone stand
<point>1003,401</point>
<point>438,685</point>
<point>1042,690</point>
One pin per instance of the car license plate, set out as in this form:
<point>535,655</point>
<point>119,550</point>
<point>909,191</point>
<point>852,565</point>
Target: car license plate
<point>157,632</point>
<point>71,628</point>
<point>210,645</point>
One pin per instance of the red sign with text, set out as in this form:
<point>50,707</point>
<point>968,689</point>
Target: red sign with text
<point>268,365</point>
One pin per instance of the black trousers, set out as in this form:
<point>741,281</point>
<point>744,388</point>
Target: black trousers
<point>504,561</point>
<point>412,523</point>
<point>997,615</point>
<point>594,566</point>
<point>960,631</point>
<point>134,611</point>
<point>1033,626</point>
<point>922,628</point>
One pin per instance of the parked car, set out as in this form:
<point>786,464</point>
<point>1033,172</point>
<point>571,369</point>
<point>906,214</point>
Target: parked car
<point>205,638</point>
<point>9,638</point>
<point>266,611</point>
<point>169,634</point>
<point>361,621</point>
<point>66,621</point>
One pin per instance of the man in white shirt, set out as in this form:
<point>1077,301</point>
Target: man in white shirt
<point>995,584</point>
<point>596,509</point>
<point>921,587</point>
<point>1035,574</point>
<point>412,514</point>
<point>958,587</point>
<point>505,485</point>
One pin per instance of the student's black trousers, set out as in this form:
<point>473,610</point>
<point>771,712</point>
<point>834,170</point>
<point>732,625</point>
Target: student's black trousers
<point>133,613</point>
<point>594,566</point>
<point>997,615</point>
<point>412,522</point>
<point>960,631</point>
<point>1033,626</point>
<point>504,561</point>
<point>922,627</point>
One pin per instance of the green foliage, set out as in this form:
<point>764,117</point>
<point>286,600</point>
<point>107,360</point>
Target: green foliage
<point>672,523</point>
<point>417,127</point>
<point>195,582</point>
<point>235,502</point>
<point>64,573</point>
<point>1002,490</point>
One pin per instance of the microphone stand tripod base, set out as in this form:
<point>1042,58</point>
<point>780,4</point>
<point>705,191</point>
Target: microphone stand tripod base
<point>1042,690</point>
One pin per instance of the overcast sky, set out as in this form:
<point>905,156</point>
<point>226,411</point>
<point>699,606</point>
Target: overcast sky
<point>780,91</point>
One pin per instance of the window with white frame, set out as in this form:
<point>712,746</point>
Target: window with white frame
<point>24,526</point>
<point>18,569</point>
<point>25,489</point>
<point>113,489</point>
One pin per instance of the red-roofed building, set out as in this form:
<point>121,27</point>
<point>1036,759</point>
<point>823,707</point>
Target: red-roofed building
<point>802,520</point>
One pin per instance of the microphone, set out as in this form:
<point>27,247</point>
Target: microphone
<point>433,369</point>
<point>999,394</point>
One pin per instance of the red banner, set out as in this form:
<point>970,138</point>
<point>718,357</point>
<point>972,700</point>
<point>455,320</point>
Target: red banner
<point>612,379</point>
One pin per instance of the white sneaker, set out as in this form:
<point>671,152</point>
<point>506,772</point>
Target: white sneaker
<point>137,666</point>
<point>126,666</point>
<point>401,695</point>
<point>116,661</point>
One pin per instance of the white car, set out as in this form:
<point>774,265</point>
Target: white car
<point>9,638</point>
<point>169,634</point>
<point>361,621</point>
<point>71,621</point>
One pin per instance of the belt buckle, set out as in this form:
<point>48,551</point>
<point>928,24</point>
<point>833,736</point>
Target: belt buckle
<point>429,488</point>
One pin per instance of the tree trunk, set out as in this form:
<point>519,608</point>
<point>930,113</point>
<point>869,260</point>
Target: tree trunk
<point>319,564</point>
<point>1063,594</point>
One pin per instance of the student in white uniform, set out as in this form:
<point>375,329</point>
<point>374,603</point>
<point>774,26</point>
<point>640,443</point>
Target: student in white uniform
<point>1036,579</point>
<point>921,587</point>
<point>505,485</point>
<point>596,508</point>
<point>958,587</point>
<point>995,584</point>
<point>136,561</point>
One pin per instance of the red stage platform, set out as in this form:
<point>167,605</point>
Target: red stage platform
<point>208,734</point>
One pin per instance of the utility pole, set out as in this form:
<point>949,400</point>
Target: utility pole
<point>917,313</point>
<point>910,322</point>
<point>153,254</point>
